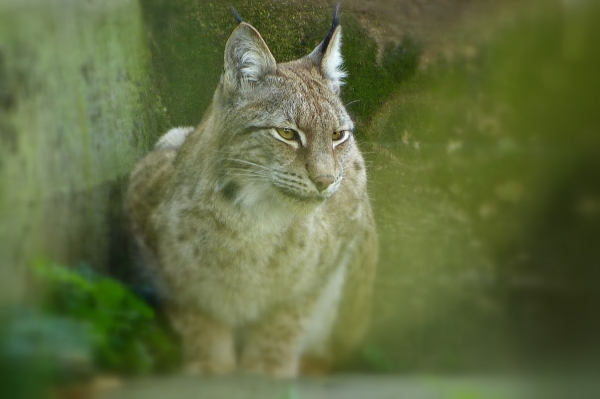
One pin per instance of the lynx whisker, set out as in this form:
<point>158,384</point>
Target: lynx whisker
<point>250,171</point>
<point>248,163</point>
<point>352,102</point>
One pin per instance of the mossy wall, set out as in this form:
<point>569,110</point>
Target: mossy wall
<point>485,170</point>
<point>76,111</point>
<point>187,39</point>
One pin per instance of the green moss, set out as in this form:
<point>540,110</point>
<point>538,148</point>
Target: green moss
<point>188,39</point>
<point>123,331</point>
<point>371,83</point>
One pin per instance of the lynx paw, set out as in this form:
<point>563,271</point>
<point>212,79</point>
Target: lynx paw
<point>212,367</point>
<point>208,345</point>
<point>289,370</point>
<point>281,365</point>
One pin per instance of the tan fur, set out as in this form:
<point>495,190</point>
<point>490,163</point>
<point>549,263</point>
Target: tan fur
<point>259,269</point>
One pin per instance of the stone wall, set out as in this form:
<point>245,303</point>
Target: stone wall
<point>76,111</point>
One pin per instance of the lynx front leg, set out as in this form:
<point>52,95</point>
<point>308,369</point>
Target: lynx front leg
<point>272,345</point>
<point>208,345</point>
<point>355,308</point>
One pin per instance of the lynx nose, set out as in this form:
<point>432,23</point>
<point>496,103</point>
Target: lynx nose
<point>322,182</point>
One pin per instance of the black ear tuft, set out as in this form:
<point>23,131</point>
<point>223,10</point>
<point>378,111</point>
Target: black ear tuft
<point>236,15</point>
<point>327,55</point>
<point>335,22</point>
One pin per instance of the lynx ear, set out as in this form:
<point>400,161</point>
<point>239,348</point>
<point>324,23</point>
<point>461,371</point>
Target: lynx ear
<point>247,58</point>
<point>327,55</point>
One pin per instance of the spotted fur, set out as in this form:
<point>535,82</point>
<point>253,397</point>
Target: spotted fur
<point>263,245</point>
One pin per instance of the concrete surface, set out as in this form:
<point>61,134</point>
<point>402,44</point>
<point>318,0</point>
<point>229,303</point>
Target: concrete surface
<point>337,387</point>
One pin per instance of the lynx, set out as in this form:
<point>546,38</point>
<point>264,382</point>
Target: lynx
<point>256,225</point>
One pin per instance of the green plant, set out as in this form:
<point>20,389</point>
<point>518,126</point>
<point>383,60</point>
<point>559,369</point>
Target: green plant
<point>125,335</point>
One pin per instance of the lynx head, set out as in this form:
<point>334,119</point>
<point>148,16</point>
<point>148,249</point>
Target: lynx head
<point>284,131</point>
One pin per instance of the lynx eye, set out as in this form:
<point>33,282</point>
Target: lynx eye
<point>339,135</point>
<point>288,134</point>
